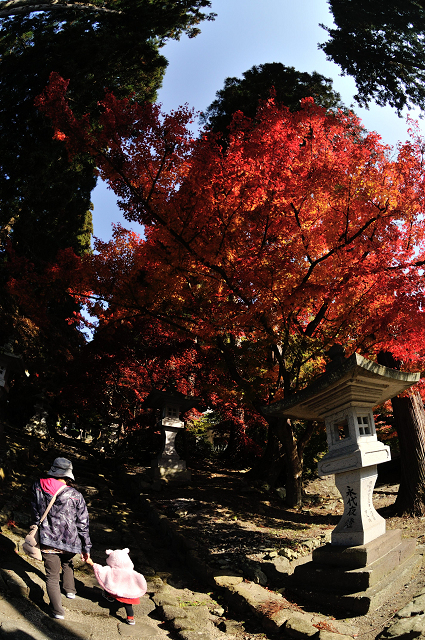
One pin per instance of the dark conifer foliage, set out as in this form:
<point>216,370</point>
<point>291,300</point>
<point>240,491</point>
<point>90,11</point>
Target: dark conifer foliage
<point>380,43</point>
<point>45,202</point>
<point>287,85</point>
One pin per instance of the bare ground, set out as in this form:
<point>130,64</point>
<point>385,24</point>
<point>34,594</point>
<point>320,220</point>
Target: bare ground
<point>237,521</point>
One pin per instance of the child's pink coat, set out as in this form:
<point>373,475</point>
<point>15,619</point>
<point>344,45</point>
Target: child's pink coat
<point>119,578</point>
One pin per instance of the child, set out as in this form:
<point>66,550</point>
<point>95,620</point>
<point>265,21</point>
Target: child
<point>119,580</point>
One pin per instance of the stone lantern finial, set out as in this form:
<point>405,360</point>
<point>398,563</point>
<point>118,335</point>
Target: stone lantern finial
<point>336,354</point>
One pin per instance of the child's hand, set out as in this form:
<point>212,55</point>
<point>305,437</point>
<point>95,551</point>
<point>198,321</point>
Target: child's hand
<point>87,559</point>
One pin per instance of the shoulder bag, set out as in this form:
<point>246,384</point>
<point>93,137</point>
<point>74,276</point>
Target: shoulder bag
<point>31,544</point>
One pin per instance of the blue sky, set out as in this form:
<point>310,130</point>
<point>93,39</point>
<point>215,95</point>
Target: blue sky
<point>247,33</point>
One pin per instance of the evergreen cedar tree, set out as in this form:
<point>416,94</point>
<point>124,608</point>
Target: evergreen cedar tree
<point>287,85</point>
<point>45,200</point>
<point>380,44</point>
<point>303,232</point>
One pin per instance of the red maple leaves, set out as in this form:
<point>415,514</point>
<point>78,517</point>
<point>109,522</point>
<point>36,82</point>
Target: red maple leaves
<point>301,231</point>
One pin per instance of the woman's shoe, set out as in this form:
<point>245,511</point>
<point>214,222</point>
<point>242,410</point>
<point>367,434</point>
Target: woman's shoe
<point>71,596</point>
<point>57,616</point>
<point>130,620</point>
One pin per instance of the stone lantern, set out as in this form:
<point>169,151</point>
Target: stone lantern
<point>363,560</point>
<point>354,453</point>
<point>9,364</point>
<point>169,466</point>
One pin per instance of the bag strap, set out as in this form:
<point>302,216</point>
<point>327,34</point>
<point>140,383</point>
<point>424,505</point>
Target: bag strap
<point>49,506</point>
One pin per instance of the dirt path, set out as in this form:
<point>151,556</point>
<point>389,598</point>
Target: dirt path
<point>116,521</point>
<point>238,526</point>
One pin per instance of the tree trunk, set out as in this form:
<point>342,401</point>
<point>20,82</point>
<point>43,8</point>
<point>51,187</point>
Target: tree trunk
<point>409,419</point>
<point>270,467</point>
<point>3,396</point>
<point>51,426</point>
<point>236,447</point>
<point>284,453</point>
<point>293,462</point>
<point>409,416</point>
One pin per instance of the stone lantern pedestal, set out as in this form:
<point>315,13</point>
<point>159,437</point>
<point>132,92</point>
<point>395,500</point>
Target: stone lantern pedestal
<point>363,564</point>
<point>169,466</point>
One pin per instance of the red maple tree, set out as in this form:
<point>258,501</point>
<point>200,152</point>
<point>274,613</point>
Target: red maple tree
<point>304,231</point>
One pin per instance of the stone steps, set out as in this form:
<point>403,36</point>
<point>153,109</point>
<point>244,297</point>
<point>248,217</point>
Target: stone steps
<point>24,611</point>
<point>355,580</point>
<point>177,610</point>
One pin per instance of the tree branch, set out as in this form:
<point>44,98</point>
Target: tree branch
<point>312,326</point>
<point>305,437</point>
<point>338,248</point>
<point>154,214</point>
<point>304,241</point>
<point>231,365</point>
<point>19,7</point>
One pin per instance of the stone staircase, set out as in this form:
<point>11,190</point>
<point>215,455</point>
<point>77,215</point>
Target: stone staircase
<point>175,610</point>
<point>186,599</point>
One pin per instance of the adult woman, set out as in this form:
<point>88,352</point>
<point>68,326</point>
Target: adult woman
<point>63,533</point>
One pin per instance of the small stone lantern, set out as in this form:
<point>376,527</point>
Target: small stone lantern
<point>9,363</point>
<point>169,466</point>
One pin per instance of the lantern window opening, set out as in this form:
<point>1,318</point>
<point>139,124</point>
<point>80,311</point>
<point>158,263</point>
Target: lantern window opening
<point>171,412</point>
<point>363,425</point>
<point>341,430</point>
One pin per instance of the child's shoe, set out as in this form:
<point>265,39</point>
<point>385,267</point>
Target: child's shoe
<point>57,616</point>
<point>130,620</point>
<point>71,596</point>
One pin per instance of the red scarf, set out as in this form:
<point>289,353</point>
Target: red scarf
<point>50,485</point>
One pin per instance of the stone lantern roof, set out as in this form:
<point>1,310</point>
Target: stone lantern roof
<point>12,362</point>
<point>159,399</point>
<point>355,381</point>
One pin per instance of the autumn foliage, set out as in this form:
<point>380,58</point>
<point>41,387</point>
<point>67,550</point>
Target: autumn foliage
<point>304,231</point>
